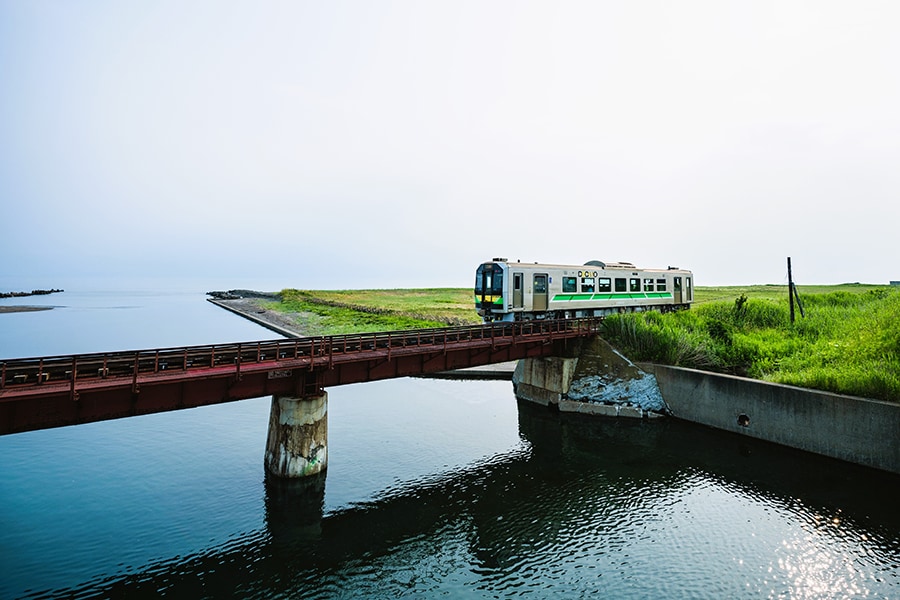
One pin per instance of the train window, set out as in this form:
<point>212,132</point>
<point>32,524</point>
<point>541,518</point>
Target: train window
<point>635,284</point>
<point>604,285</point>
<point>587,284</point>
<point>688,282</point>
<point>570,284</point>
<point>648,285</point>
<point>676,284</point>
<point>497,287</point>
<point>621,284</point>
<point>660,285</point>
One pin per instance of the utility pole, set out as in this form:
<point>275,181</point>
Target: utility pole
<point>790,289</point>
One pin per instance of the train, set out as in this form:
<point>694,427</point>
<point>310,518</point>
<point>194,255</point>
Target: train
<point>517,291</point>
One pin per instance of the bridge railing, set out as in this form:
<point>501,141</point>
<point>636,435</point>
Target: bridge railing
<point>26,372</point>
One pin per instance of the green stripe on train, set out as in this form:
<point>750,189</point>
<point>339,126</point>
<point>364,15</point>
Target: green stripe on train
<point>577,297</point>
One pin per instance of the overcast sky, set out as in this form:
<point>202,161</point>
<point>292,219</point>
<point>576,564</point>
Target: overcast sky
<point>399,144</point>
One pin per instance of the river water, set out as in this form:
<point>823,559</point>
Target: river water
<point>434,489</point>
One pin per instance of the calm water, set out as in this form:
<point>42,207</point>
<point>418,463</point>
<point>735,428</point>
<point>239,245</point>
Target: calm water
<point>434,488</point>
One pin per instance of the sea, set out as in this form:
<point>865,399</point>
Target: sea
<point>434,489</point>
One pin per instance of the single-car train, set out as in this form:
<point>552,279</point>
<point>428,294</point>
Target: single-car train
<point>516,291</point>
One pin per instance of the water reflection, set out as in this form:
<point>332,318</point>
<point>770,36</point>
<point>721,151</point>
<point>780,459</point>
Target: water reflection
<point>630,509</point>
<point>294,509</point>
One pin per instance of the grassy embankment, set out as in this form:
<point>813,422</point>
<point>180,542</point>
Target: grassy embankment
<point>362,311</point>
<point>849,341</point>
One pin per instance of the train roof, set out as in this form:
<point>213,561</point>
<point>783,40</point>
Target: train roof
<point>621,265</point>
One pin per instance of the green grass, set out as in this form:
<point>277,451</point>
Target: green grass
<point>335,312</point>
<point>849,341</point>
<point>703,295</point>
<point>444,305</point>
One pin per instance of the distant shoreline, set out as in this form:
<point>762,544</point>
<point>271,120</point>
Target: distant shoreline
<point>31,293</point>
<point>16,309</point>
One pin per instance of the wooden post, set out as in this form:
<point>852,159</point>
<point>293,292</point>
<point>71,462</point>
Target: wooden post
<point>790,289</point>
<point>799,303</point>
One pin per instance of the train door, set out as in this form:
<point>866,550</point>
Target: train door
<point>517,290</point>
<point>539,298</point>
<point>676,289</point>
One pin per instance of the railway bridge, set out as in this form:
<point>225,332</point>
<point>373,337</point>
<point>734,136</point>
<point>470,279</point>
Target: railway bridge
<point>44,392</point>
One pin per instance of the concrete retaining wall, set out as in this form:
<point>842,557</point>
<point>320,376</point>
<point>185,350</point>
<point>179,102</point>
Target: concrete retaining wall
<point>857,430</point>
<point>258,320</point>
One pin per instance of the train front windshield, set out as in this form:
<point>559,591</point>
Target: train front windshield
<point>488,285</point>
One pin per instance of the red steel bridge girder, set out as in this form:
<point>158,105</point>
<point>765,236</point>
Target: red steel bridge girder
<point>39,393</point>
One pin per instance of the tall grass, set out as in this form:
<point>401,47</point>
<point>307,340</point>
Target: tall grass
<point>653,337</point>
<point>848,342</point>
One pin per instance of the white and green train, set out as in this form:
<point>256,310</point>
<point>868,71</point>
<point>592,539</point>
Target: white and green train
<point>516,291</point>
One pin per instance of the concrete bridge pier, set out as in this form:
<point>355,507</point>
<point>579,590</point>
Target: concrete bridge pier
<point>297,444</point>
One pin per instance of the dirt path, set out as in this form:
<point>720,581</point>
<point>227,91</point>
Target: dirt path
<point>253,309</point>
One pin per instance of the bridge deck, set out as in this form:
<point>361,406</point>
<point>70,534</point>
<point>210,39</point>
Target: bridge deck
<point>41,392</point>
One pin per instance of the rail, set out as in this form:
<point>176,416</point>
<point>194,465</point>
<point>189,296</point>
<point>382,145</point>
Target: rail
<point>23,373</point>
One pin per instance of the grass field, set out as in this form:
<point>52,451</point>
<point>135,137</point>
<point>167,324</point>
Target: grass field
<point>848,342</point>
<point>334,312</point>
<point>703,295</point>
